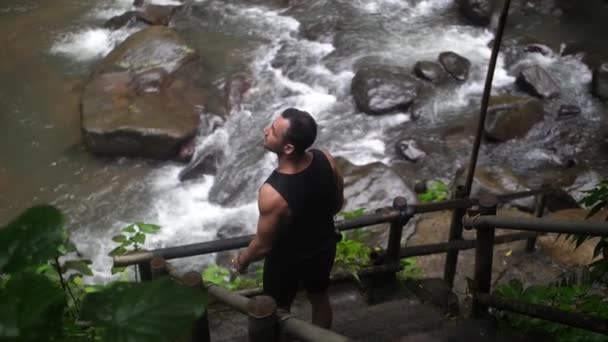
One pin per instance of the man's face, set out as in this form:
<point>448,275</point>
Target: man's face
<point>274,136</point>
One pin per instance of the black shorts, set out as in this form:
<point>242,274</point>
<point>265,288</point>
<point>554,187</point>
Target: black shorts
<point>282,279</point>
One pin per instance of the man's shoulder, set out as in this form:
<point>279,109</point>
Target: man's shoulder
<point>270,199</point>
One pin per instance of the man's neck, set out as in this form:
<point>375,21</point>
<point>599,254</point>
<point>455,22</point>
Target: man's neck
<point>294,164</point>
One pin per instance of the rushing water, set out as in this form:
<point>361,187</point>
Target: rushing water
<point>50,48</point>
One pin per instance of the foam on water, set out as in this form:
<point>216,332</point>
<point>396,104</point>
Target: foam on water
<point>428,7</point>
<point>89,43</point>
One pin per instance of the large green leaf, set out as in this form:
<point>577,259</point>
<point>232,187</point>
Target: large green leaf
<point>32,309</point>
<point>148,228</point>
<point>152,311</point>
<point>32,238</point>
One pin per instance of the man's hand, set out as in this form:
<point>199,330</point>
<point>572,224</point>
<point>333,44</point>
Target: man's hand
<point>239,264</point>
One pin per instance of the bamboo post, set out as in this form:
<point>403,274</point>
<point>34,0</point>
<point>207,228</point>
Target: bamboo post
<point>200,328</point>
<point>158,267</point>
<point>485,99</point>
<point>484,253</point>
<point>145,272</point>
<point>451,258</point>
<point>539,209</point>
<point>263,322</point>
<point>396,231</point>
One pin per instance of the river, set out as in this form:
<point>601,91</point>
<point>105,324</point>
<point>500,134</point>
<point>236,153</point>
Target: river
<point>49,49</point>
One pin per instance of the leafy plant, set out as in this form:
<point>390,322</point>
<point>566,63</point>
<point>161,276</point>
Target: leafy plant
<point>356,234</point>
<point>596,199</point>
<point>221,276</point>
<point>134,235</point>
<point>436,191</point>
<point>572,298</point>
<point>410,269</point>
<point>43,297</point>
<point>351,256</point>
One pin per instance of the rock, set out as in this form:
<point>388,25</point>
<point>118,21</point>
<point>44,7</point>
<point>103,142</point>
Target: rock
<point>560,200</point>
<point>420,187</point>
<point>511,117</point>
<point>567,111</point>
<point>384,89</point>
<point>119,21</point>
<point>131,106</point>
<point>150,81</point>
<point>205,164</point>
<point>186,151</point>
<point>409,149</point>
<point>456,65</point>
<point>536,81</point>
<point>235,89</point>
<point>371,186</point>
<point>538,48</point>
<point>478,12</point>
<point>429,71</point>
<point>157,14</point>
<point>593,56</point>
<point>226,232</point>
<point>600,81</point>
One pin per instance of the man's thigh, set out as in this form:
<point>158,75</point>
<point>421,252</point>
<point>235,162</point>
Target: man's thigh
<point>280,282</point>
<point>316,271</point>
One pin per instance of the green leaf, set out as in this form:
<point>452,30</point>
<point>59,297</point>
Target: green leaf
<point>148,228</point>
<point>119,238</point>
<point>115,270</point>
<point>30,239</point>
<point>129,229</point>
<point>120,250</point>
<point>32,308</point>
<point>139,238</point>
<point>81,266</point>
<point>159,310</point>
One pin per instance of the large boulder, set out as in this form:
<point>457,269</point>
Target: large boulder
<point>600,81</point>
<point>478,12</point>
<point>456,65</point>
<point>157,14</point>
<point>511,117</point>
<point>136,103</point>
<point>372,185</point>
<point>429,71</point>
<point>119,21</point>
<point>384,89</point>
<point>536,81</point>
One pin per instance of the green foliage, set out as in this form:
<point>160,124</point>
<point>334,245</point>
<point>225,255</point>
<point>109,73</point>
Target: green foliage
<point>24,242</point>
<point>32,308</point>
<point>596,199</point>
<point>351,256</point>
<point>152,311</point>
<point>573,298</point>
<point>221,276</point>
<point>410,269</point>
<point>356,234</point>
<point>134,236</point>
<point>436,191</point>
<point>41,295</point>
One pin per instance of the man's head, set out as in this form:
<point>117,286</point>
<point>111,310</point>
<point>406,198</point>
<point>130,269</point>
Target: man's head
<point>291,133</point>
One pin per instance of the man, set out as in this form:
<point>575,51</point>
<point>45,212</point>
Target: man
<point>295,232</point>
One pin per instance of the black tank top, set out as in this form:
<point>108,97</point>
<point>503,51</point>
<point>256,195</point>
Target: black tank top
<point>310,195</point>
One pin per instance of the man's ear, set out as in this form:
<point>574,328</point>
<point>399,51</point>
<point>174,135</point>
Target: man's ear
<point>289,149</point>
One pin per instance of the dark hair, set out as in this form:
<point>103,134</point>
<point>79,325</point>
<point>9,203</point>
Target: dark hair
<point>302,130</point>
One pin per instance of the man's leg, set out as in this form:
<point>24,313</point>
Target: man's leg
<point>316,281</point>
<point>280,282</point>
<point>322,313</point>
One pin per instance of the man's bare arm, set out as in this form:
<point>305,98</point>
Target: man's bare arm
<point>339,183</point>
<point>272,208</point>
